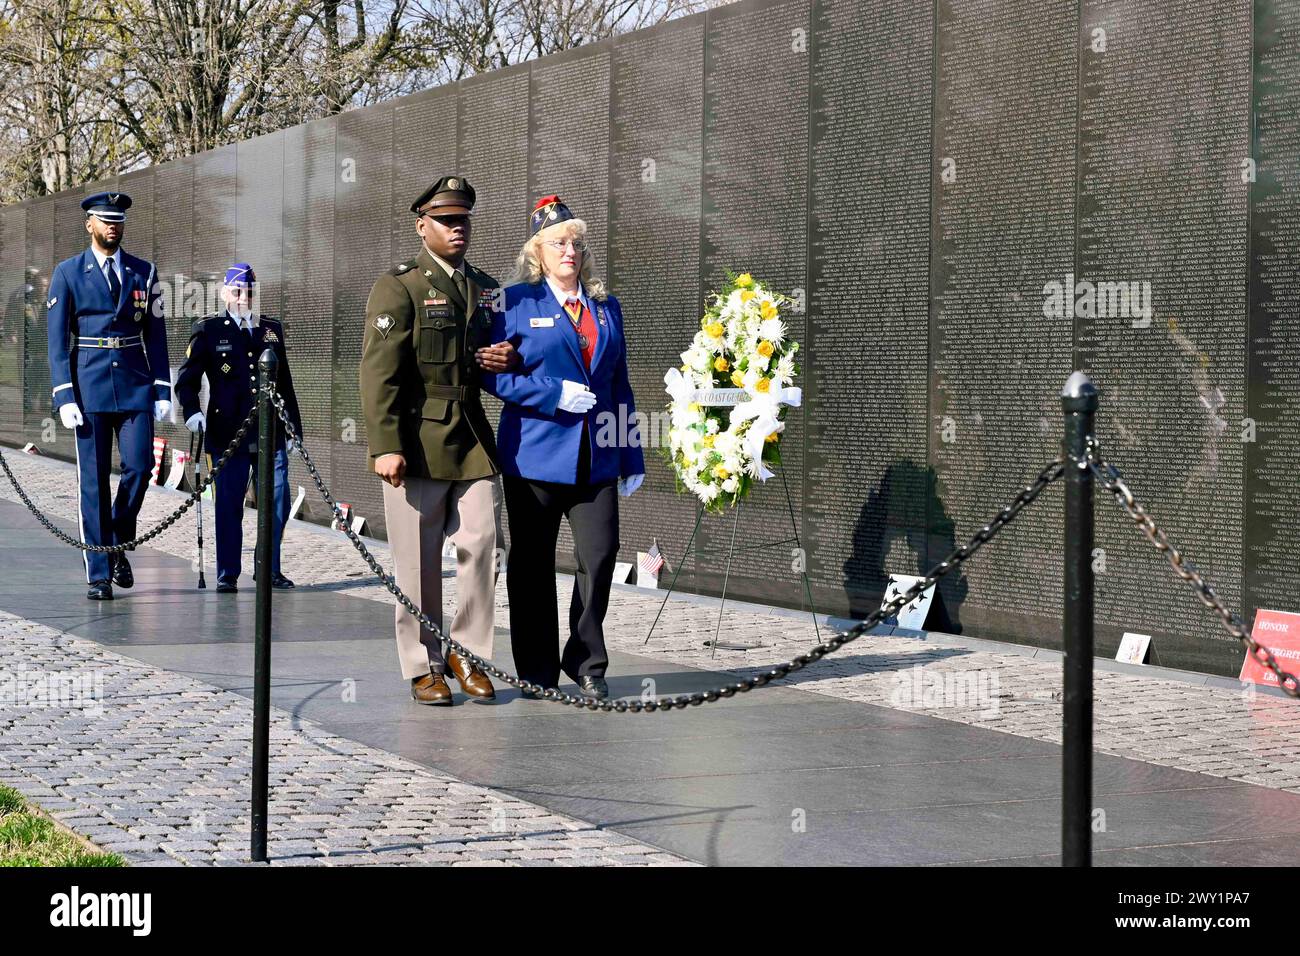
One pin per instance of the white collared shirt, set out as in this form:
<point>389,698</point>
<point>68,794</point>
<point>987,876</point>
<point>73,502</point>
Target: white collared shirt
<point>100,259</point>
<point>561,297</point>
<point>248,324</point>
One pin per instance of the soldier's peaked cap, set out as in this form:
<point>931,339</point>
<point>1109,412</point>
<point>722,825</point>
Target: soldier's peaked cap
<point>449,196</point>
<point>110,207</point>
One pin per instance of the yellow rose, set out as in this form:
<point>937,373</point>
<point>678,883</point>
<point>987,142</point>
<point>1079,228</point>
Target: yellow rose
<point>708,441</point>
<point>714,329</point>
<point>744,280</point>
<point>720,472</point>
<point>737,380</point>
<point>773,437</point>
<point>766,348</point>
<point>720,364</point>
<point>693,406</point>
<point>768,310</point>
<point>762,384</point>
<point>746,295</point>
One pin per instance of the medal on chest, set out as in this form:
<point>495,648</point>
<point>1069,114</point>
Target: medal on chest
<point>577,327</point>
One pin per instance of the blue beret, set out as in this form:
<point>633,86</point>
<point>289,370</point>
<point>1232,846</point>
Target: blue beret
<point>240,274</point>
<point>110,207</point>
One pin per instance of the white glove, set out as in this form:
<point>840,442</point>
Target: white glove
<point>195,422</point>
<point>70,415</point>
<point>629,484</point>
<point>161,410</point>
<point>576,397</point>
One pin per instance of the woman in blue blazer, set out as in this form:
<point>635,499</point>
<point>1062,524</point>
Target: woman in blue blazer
<point>568,446</point>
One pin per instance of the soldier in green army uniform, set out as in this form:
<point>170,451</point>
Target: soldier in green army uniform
<point>428,326</point>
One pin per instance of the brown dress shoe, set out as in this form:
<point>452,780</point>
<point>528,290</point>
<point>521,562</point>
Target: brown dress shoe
<point>431,689</point>
<point>473,681</point>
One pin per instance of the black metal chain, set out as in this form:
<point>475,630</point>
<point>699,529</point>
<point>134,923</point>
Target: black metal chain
<point>1111,479</point>
<point>1050,473</point>
<point>160,528</point>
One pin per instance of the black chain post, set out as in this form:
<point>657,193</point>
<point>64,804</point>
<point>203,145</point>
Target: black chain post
<point>1079,403</point>
<point>267,368</point>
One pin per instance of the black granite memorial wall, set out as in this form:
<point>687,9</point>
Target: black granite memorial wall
<point>968,198</point>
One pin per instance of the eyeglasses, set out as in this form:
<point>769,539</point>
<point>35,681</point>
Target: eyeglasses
<point>579,245</point>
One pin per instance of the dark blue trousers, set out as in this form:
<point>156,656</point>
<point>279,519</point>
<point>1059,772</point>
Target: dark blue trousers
<point>232,482</point>
<point>103,523</point>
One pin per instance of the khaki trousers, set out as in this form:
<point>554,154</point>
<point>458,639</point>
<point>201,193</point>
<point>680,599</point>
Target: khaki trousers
<point>420,514</point>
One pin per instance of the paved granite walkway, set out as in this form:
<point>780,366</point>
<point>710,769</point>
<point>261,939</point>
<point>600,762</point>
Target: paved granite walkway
<point>848,762</point>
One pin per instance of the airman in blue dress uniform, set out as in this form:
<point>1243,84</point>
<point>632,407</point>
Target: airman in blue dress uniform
<point>226,348</point>
<point>110,375</point>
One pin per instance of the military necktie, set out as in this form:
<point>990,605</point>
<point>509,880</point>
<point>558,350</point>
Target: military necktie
<point>458,277</point>
<point>114,284</point>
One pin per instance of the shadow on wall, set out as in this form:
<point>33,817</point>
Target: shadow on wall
<point>903,512</point>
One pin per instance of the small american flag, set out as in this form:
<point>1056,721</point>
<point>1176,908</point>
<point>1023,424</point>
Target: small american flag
<point>652,560</point>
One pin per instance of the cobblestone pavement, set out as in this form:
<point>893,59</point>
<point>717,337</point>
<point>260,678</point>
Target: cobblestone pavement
<point>156,766</point>
<point>1228,733</point>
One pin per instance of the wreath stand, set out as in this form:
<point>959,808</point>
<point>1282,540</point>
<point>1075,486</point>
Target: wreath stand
<point>731,548</point>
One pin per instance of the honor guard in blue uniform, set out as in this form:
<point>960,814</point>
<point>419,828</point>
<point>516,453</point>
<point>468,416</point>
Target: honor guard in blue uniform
<point>226,348</point>
<point>111,377</point>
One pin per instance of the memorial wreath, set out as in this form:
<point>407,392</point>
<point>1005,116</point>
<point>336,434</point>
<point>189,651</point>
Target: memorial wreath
<point>730,394</point>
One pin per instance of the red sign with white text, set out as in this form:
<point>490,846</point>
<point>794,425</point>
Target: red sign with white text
<point>1279,631</point>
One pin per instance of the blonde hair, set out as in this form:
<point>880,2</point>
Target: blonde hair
<point>528,265</point>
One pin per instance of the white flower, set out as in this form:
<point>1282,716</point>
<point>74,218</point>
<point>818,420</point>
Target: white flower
<point>785,369</point>
<point>726,443</point>
<point>711,426</point>
<point>773,330</point>
<point>682,417</point>
<point>731,484</point>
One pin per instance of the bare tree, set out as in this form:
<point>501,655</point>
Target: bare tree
<point>55,132</point>
<point>88,89</point>
<point>481,35</point>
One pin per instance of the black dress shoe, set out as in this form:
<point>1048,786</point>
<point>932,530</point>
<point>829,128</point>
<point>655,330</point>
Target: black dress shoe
<point>280,583</point>
<point>100,591</point>
<point>122,575</point>
<point>594,687</point>
<point>227,587</point>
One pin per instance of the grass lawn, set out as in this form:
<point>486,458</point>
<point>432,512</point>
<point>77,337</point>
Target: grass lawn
<point>29,838</point>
